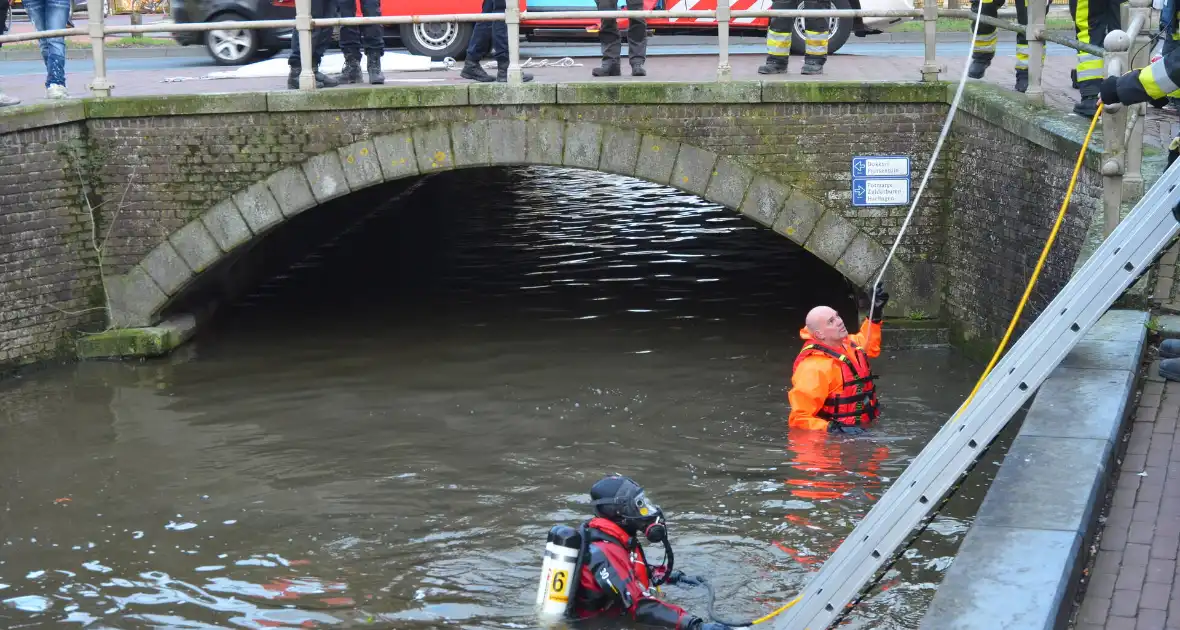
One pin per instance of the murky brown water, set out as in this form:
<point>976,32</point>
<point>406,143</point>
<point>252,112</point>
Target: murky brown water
<point>383,435</point>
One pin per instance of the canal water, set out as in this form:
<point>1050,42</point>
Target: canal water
<point>431,376</point>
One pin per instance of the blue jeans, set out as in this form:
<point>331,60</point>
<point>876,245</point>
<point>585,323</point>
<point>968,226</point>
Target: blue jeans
<point>489,36</point>
<point>50,15</point>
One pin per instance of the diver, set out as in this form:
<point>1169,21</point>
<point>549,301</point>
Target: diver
<point>615,579</point>
<point>831,382</point>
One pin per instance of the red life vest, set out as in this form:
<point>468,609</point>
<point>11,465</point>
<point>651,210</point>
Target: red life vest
<point>856,403</point>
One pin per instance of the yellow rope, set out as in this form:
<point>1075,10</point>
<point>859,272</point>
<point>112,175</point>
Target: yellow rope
<point>1073,181</point>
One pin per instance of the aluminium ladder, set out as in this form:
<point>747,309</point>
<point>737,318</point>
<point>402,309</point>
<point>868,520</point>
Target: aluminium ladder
<point>1121,259</point>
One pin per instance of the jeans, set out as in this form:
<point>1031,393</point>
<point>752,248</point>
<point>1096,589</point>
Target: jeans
<point>50,15</point>
<point>489,35</point>
<point>353,37</point>
<point>320,37</point>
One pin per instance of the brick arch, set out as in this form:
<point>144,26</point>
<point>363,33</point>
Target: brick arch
<point>138,297</point>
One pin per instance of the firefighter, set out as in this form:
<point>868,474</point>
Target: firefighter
<point>1153,84</point>
<point>371,36</point>
<point>778,39</point>
<point>985,43</point>
<point>832,383</point>
<point>612,45</point>
<point>615,579</point>
<point>1093,19</point>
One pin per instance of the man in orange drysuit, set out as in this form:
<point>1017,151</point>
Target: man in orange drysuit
<point>832,384</point>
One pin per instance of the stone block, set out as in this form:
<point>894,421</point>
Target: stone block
<point>176,105</point>
<point>583,145</point>
<point>546,141</point>
<point>508,140</point>
<point>227,226</point>
<point>798,218</point>
<point>830,238</point>
<point>1075,403</point>
<point>504,94</point>
<point>1046,483</point>
<point>167,268</point>
<point>1119,325</point>
<point>405,96</point>
<point>22,117</point>
<point>432,145</point>
<point>862,260</point>
<point>133,298</point>
<point>258,207</point>
<point>291,190</point>
<point>657,157</point>
<point>1006,579</point>
<point>151,341</point>
<point>396,153</point>
<point>325,174</point>
<point>764,200</point>
<point>1101,355</point>
<point>362,167</point>
<point>196,246</point>
<point>693,169</point>
<point>470,143</point>
<point>620,150</point>
<point>655,93</point>
<point>729,183</point>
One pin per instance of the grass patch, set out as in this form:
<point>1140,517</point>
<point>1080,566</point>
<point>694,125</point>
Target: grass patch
<point>112,42</point>
<point>956,25</point>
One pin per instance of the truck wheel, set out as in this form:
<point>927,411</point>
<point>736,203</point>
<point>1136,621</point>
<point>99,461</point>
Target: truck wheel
<point>840,28</point>
<point>437,40</point>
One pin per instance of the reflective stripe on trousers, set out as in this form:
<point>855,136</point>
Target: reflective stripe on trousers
<point>817,42</point>
<point>1022,56</point>
<point>986,43</point>
<point>778,43</point>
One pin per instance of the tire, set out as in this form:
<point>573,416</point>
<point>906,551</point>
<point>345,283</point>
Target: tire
<point>839,35</point>
<point>437,40</point>
<point>231,48</point>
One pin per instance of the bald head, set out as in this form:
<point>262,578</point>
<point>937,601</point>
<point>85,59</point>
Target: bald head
<point>825,324</point>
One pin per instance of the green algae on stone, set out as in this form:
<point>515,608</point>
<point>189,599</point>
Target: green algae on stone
<point>657,93</point>
<point>852,92</point>
<point>175,105</point>
<point>368,98</point>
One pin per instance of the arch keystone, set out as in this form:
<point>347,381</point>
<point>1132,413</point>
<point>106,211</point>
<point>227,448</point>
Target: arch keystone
<point>764,201</point>
<point>291,191</point>
<point>508,142</point>
<point>362,168</point>
<point>583,145</point>
<point>657,156</point>
<point>729,182</point>
<point>798,218</point>
<point>546,141</point>
<point>397,156</point>
<point>831,237</point>
<point>620,150</point>
<point>326,176</point>
<point>432,145</point>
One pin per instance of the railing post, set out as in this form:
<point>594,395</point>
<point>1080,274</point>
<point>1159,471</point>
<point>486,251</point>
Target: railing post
<point>1139,11</point>
<point>724,72</point>
<point>1036,50</point>
<point>100,87</point>
<point>512,19</point>
<point>930,25</point>
<point>1114,124</point>
<point>303,32</point>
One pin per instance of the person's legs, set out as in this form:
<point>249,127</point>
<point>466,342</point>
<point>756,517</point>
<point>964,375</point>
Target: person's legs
<point>373,40</point>
<point>480,45</point>
<point>350,43</point>
<point>637,40</point>
<point>48,15</point>
<point>778,39</point>
<point>319,43</point>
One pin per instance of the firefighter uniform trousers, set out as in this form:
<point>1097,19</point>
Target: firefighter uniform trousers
<point>778,38</point>
<point>985,42</point>
<point>1093,19</point>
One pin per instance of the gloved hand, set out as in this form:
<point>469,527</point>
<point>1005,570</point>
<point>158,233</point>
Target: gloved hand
<point>678,577</point>
<point>880,299</point>
<point>1108,93</point>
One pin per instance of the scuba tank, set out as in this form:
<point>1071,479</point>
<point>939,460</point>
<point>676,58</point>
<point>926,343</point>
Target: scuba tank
<point>560,570</point>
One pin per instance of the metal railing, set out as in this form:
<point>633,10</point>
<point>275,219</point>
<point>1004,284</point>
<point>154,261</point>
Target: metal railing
<point>1122,134</point>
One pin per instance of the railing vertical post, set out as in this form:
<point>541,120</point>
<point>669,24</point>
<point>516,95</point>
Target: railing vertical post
<point>100,86</point>
<point>1114,125</point>
<point>1036,50</point>
<point>930,25</point>
<point>303,32</point>
<point>724,72</point>
<point>1141,57</point>
<point>512,19</point>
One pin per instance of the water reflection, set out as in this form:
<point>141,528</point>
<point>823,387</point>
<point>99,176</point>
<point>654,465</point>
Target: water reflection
<point>382,433</point>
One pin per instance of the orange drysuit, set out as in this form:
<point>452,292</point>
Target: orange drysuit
<point>819,376</point>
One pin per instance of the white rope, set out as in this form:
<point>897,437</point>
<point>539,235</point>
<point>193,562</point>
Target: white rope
<point>946,128</point>
<point>564,62</point>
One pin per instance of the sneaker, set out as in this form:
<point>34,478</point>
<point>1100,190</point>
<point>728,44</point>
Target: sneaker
<point>6,100</point>
<point>57,92</point>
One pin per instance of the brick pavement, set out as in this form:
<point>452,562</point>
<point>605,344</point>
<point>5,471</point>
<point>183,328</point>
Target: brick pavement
<point>1134,583</point>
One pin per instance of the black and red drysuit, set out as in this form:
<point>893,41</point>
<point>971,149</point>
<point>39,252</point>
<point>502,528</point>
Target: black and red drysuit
<point>615,581</point>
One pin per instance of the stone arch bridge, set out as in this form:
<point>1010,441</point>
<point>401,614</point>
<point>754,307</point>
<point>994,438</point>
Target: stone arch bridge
<point>119,206</point>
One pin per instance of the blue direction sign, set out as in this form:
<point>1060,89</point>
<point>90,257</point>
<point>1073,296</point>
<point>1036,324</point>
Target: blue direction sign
<point>880,180</point>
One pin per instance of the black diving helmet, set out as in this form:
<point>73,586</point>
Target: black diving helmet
<point>620,499</point>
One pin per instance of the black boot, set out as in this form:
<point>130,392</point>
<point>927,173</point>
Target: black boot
<point>609,68</point>
<point>1086,107</point>
<point>472,70</point>
<point>321,80</point>
<point>502,73</point>
<point>637,69</point>
<point>352,69</point>
<point>813,65</point>
<point>1022,80</point>
<point>775,64</point>
<point>1073,77</point>
<point>376,77</point>
<point>978,67</point>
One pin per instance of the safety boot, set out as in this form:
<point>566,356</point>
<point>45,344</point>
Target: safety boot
<point>321,80</point>
<point>502,73</point>
<point>1073,77</point>
<point>1022,80</point>
<point>637,69</point>
<point>373,67</point>
<point>775,64</point>
<point>813,65</point>
<point>472,70</point>
<point>352,69</point>
<point>978,67</point>
<point>609,68</point>
<point>1086,107</point>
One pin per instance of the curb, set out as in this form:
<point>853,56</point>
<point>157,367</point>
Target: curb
<point>1019,566</point>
